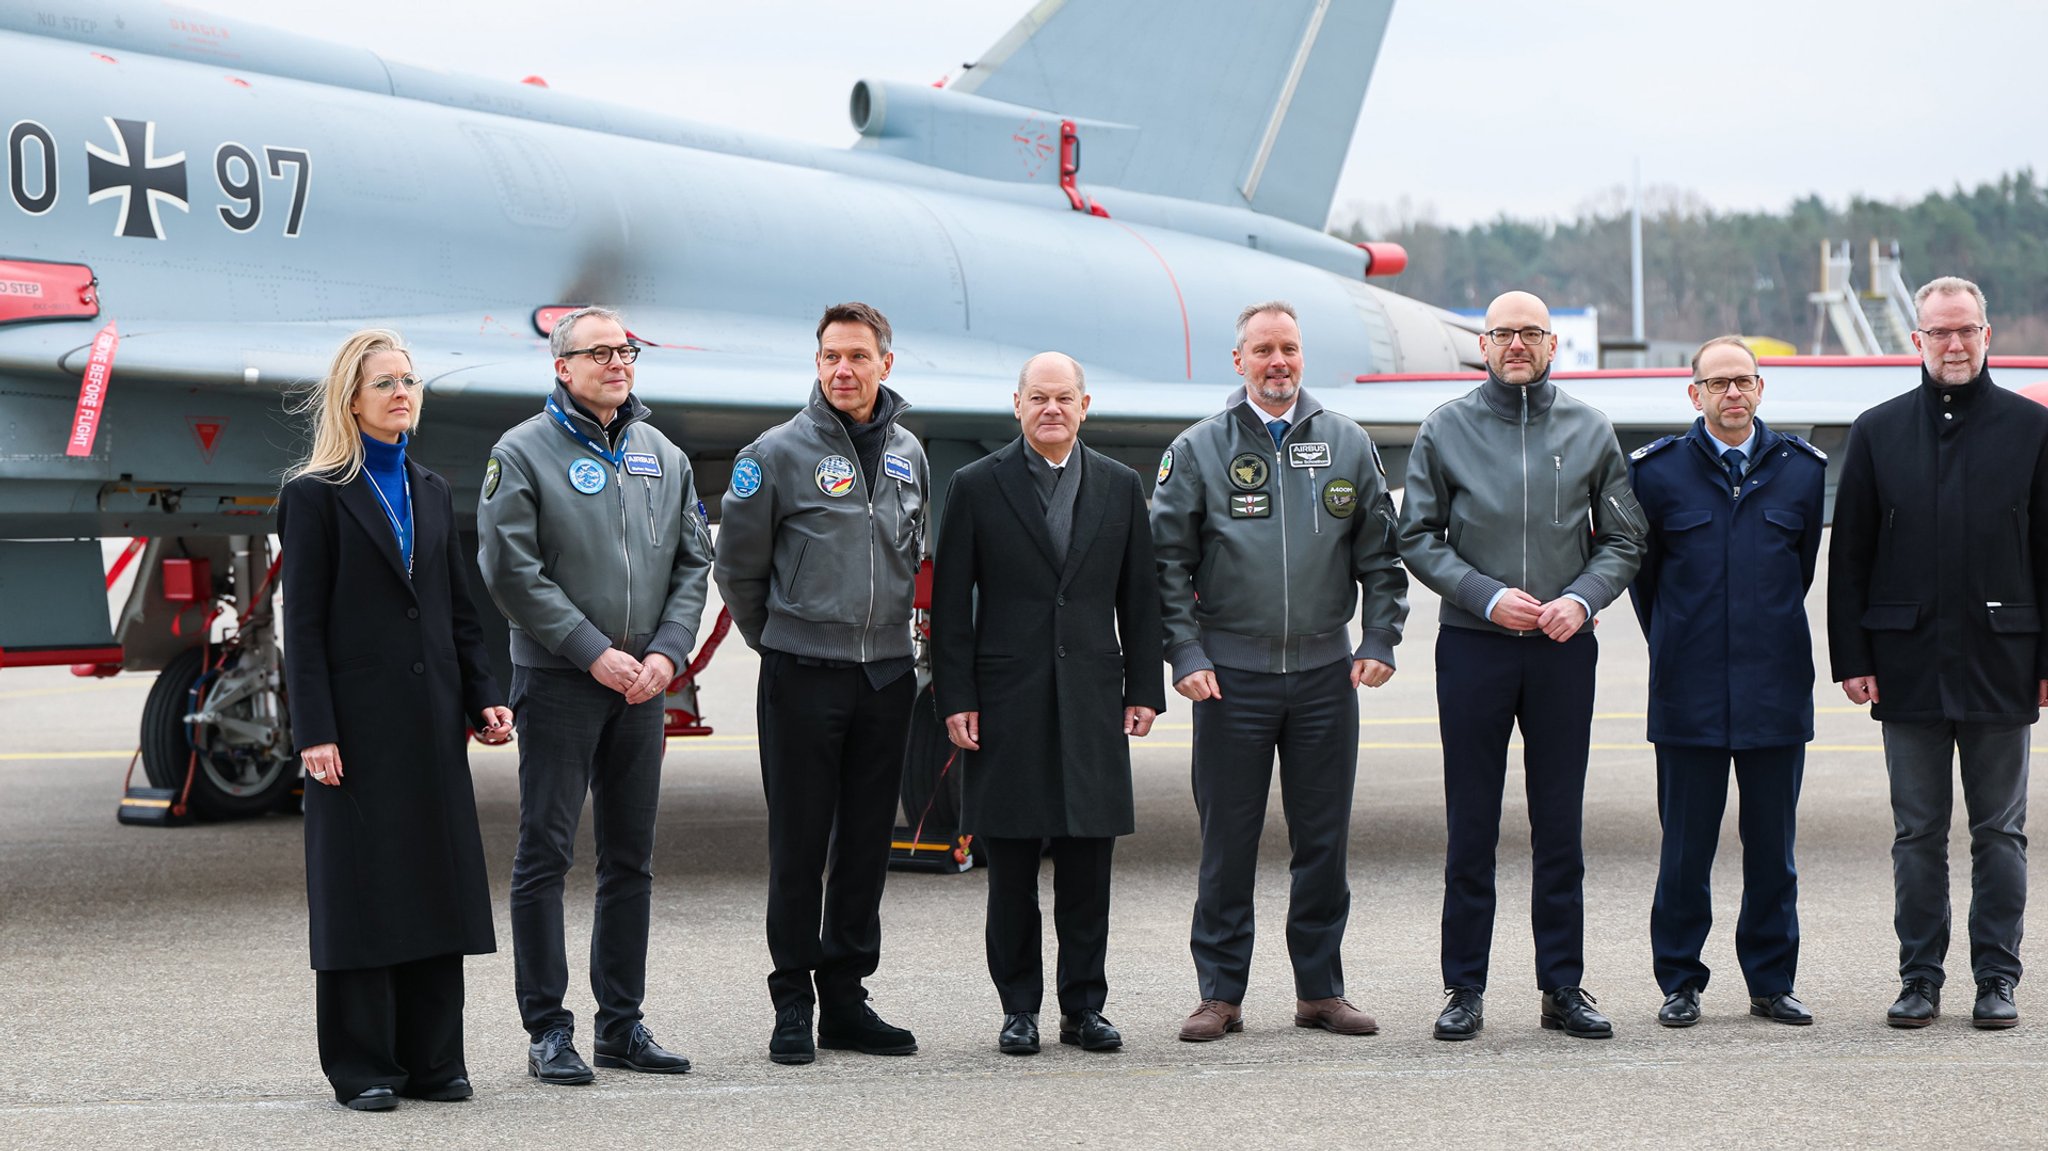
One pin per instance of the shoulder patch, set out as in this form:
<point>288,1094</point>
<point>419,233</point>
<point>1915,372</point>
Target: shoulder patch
<point>746,476</point>
<point>1652,447</point>
<point>1166,465</point>
<point>492,470</point>
<point>1809,449</point>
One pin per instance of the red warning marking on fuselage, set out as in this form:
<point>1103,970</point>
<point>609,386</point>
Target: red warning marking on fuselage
<point>206,432</point>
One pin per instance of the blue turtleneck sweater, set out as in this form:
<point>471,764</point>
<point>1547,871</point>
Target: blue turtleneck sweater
<point>384,466</point>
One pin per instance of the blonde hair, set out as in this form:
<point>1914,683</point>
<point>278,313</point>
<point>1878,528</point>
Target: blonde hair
<point>337,453</point>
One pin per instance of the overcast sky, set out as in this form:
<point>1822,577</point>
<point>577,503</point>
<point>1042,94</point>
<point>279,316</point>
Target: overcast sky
<point>1478,107</point>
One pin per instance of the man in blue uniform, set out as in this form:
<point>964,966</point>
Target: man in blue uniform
<point>1735,519</point>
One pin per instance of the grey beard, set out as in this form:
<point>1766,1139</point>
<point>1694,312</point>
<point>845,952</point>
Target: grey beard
<point>1279,394</point>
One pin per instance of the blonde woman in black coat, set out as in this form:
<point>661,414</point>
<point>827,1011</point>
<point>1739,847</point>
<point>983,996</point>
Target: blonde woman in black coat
<point>385,666</point>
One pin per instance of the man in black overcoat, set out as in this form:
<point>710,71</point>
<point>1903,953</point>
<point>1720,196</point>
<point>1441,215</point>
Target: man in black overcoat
<point>1937,576</point>
<point>1041,682</point>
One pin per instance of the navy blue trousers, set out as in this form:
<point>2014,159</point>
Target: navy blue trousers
<point>1486,684</point>
<point>1692,794</point>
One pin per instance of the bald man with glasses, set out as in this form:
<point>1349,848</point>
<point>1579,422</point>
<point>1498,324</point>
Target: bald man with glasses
<point>1519,514</point>
<point>1936,580</point>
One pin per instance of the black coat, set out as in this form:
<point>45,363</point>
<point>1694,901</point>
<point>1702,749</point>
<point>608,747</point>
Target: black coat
<point>1939,566</point>
<point>391,669</point>
<point>1722,590</point>
<point>1051,657</point>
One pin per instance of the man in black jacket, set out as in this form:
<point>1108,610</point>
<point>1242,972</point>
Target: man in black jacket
<point>1937,574</point>
<point>1042,686</point>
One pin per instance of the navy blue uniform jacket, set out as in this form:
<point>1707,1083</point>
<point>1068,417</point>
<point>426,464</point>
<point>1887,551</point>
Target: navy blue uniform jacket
<point>1722,591</point>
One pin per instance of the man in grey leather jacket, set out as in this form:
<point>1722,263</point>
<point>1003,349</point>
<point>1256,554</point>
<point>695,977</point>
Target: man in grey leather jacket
<point>1518,513</point>
<point>594,547</point>
<point>823,529</point>
<point>1271,522</point>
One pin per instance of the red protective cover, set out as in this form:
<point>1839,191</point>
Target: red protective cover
<point>33,290</point>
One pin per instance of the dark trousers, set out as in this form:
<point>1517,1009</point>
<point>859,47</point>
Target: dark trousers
<point>1080,916</point>
<point>577,736</point>
<point>1486,683</point>
<point>1692,794</point>
<point>398,1027</point>
<point>832,765</point>
<point>1994,768</point>
<point>1311,717</point>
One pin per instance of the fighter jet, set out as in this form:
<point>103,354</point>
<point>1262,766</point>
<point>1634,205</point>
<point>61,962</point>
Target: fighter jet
<point>199,209</point>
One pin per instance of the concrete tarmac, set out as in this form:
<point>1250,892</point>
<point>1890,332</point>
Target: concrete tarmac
<point>154,989</point>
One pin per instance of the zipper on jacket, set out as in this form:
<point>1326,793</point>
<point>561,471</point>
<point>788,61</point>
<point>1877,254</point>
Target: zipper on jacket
<point>1312,516</point>
<point>1525,492</point>
<point>626,552</point>
<point>1621,513</point>
<point>653,531</point>
<point>1557,495</point>
<point>872,575</point>
<point>1286,599</point>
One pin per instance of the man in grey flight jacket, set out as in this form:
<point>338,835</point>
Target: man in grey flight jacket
<point>822,533</point>
<point>1518,513</point>
<point>594,547</point>
<point>1275,488</point>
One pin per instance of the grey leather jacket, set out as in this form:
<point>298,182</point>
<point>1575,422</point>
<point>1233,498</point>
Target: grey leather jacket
<point>1519,487</point>
<point>810,560</point>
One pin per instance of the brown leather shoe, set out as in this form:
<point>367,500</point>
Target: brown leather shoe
<point>1335,1014</point>
<point>1212,1020</point>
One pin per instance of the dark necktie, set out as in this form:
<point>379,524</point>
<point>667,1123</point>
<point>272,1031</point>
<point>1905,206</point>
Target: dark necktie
<point>1732,460</point>
<point>1279,430</point>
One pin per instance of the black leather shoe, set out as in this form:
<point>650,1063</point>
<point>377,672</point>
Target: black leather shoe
<point>1781,1008</point>
<point>1995,1010</point>
<point>1570,1010</point>
<point>554,1060</point>
<point>1089,1031</point>
<point>1463,1016</point>
<point>856,1027</point>
<point>1020,1034</point>
<point>454,1091</point>
<point>1918,1005</point>
<point>1681,1008</point>
<point>791,1042</point>
<point>378,1098</point>
<point>639,1052</point>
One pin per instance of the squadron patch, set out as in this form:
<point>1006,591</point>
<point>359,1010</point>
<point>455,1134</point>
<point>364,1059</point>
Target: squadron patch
<point>1340,498</point>
<point>642,464</point>
<point>586,475</point>
<point>835,476</point>
<point>1251,506</point>
<point>1308,455</point>
<point>746,476</point>
<point>897,466</point>
<point>1248,472</point>
<point>1166,465</point>
<point>491,473</point>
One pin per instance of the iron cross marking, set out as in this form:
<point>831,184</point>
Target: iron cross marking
<point>134,173</point>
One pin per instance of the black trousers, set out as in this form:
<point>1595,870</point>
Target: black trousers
<point>832,766</point>
<point>578,736</point>
<point>1486,683</point>
<point>1311,717</point>
<point>398,1027</point>
<point>1080,916</point>
<point>1692,794</point>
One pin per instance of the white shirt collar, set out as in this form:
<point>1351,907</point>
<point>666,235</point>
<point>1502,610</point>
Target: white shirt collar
<point>1266,418</point>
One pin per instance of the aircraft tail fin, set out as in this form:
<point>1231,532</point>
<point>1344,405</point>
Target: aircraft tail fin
<point>1239,104</point>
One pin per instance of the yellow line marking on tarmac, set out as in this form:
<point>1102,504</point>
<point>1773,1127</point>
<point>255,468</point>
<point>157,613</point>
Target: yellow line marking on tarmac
<point>71,689</point>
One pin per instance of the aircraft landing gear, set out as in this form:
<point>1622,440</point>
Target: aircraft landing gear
<point>216,713</point>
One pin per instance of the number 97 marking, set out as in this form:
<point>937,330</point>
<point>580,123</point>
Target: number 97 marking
<point>234,167</point>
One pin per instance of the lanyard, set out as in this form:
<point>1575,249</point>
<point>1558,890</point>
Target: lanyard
<point>615,458</point>
<point>397,527</point>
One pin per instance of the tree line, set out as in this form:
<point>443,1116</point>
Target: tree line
<point>1708,272</point>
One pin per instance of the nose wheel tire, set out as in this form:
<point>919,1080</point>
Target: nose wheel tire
<point>229,780</point>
